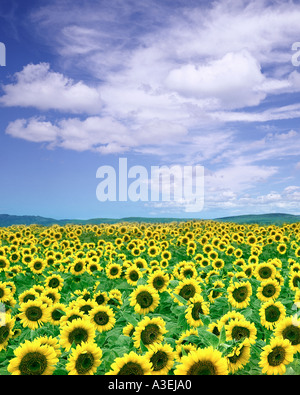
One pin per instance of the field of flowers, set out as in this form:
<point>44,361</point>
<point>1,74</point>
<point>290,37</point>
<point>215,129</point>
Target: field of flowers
<point>189,298</point>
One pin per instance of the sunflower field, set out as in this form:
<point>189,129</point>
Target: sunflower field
<point>180,298</point>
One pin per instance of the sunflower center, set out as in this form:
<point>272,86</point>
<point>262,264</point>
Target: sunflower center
<point>134,275</point>
<point>78,267</point>
<point>2,264</point>
<point>34,313</point>
<point>56,315</point>
<point>84,362</point>
<point>187,291</point>
<point>196,310</point>
<point>101,318</point>
<point>265,272</point>
<point>296,282</point>
<point>202,368</point>
<point>188,273</point>
<point>78,335</point>
<point>272,313</point>
<point>100,299</point>
<point>240,294</point>
<point>159,360</point>
<point>130,369</point>
<point>292,333</point>
<point>85,308</point>
<point>114,271</point>
<point>269,290</point>
<point>240,332</point>
<point>144,299</point>
<point>53,283</point>
<point>236,356</point>
<point>158,282</point>
<point>276,357</point>
<point>28,297</point>
<point>33,364</point>
<point>1,293</point>
<point>150,334</point>
<point>38,265</point>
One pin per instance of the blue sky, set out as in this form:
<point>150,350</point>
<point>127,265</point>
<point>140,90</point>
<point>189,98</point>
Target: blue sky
<point>158,82</point>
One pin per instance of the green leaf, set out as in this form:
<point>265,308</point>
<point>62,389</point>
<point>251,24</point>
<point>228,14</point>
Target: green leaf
<point>143,347</point>
<point>130,318</point>
<point>222,337</point>
<point>180,299</point>
<point>208,337</point>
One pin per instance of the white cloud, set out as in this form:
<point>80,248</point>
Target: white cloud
<point>37,131</point>
<point>231,80</point>
<point>100,134</point>
<point>37,86</point>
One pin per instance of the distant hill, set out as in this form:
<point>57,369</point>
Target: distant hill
<point>10,220</point>
<point>261,219</point>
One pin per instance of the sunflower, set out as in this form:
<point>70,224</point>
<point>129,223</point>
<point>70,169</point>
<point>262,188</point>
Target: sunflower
<point>205,361</point>
<point>130,364</point>
<point>128,330</point>
<point>289,328</point>
<point>197,306</point>
<point>37,265</point>
<point>113,270</point>
<point>103,318</point>
<point>52,294</point>
<point>85,305</point>
<point>268,290</point>
<point>264,271</point>
<point>239,329</point>
<point>33,359</point>
<point>80,330</point>
<point>271,313</point>
<point>149,331</point>
<point>216,293</point>
<point>70,315</point>
<point>231,315</point>
<point>183,349</point>
<point>84,359</point>
<point>34,313</point>
<point>161,356</point>
<point>49,341</point>
<point>153,251</point>
<point>133,274</point>
<point>218,264</point>
<point>294,281</point>
<point>4,264</point>
<point>239,294</point>
<point>187,289</point>
<point>144,299</point>
<point>281,248</point>
<point>101,298</point>
<point>6,329</point>
<point>55,281</point>
<point>56,312</point>
<point>77,267</point>
<point>93,267</point>
<point>239,356</point>
<point>248,269</point>
<point>159,280</point>
<point>5,292</point>
<point>188,271</point>
<point>27,295</point>
<point>275,356</point>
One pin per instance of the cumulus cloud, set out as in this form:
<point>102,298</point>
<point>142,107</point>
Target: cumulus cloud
<point>99,134</point>
<point>37,86</point>
<point>231,81</point>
